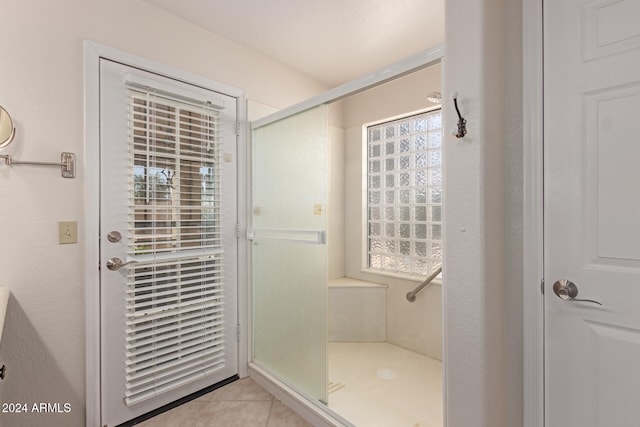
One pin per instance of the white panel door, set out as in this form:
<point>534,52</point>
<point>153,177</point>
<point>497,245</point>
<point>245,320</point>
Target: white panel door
<point>168,214</point>
<point>592,212</point>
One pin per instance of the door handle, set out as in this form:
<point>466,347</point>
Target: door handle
<point>568,291</point>
<point>115,263</point>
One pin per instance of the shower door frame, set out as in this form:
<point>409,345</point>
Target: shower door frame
<point>409,65</point>
<point>311,410</point>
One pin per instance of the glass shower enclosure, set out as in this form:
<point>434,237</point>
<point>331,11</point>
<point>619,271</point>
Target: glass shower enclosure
<point>289,252</point>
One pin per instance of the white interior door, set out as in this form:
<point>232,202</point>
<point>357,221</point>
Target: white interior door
<point>168,243</point>
<point>592,212</point>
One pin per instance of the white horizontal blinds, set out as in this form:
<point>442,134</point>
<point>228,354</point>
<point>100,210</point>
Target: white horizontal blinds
<point>404,181</point>
<point>174,298</point>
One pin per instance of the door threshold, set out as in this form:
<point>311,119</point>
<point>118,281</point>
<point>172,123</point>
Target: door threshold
<point>179,402</point>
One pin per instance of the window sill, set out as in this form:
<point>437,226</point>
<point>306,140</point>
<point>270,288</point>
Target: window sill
<point>436,281</point>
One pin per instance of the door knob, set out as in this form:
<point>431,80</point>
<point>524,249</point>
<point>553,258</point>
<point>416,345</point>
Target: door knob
<point>115,263</point>
<point>568,291</point>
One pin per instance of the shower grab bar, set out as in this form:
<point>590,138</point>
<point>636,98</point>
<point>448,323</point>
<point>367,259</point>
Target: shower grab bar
<point>411,296</point>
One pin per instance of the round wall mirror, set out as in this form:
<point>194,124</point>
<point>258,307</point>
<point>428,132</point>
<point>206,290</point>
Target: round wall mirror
<point>7,130</point>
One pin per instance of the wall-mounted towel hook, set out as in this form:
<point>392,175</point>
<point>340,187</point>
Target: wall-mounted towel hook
<point>462,123</point>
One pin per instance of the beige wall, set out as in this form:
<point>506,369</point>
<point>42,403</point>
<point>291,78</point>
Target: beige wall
<point>483,368</point>
<point>41,85</point>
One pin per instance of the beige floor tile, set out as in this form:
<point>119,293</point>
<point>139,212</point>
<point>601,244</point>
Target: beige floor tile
<point>242,403</point>
<point>283,416</point>
<point>215,414</point>
<point>244,389</point>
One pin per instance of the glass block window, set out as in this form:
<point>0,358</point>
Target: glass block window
<point>404,193</point>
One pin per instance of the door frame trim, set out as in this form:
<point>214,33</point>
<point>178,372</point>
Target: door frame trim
<point>93,52</point>
<point>533,213</point>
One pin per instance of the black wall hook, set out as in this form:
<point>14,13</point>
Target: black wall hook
<point>462,123</point>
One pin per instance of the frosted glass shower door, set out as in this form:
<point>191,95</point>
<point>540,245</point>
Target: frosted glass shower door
<point>288,250</point>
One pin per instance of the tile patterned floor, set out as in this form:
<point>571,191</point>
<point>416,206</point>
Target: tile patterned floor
<point>242,403</point>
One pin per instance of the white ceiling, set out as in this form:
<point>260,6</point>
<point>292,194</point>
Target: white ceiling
<point>334,41</point>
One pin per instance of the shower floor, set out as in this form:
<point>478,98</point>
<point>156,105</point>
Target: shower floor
<point>382,385</point>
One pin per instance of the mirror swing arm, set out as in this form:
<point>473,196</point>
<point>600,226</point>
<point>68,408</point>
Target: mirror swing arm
<point>67,162</point>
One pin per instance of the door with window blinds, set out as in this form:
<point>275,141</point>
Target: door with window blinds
<point>168,240</point>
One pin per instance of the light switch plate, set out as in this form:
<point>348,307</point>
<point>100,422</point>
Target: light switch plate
<point>67,232</point>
